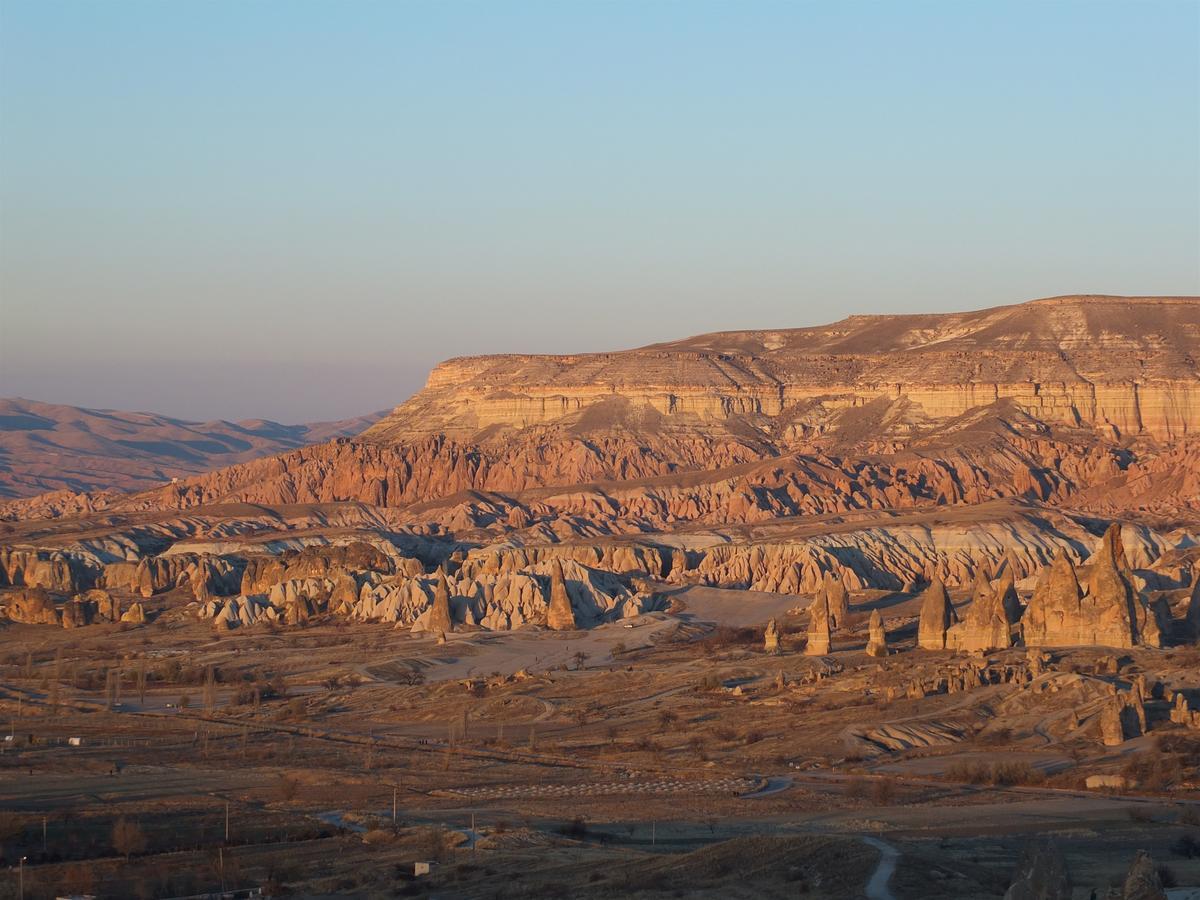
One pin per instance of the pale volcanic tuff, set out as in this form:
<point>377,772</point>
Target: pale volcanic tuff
<point>1045,400</point>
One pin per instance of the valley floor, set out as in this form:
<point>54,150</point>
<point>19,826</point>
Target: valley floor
<point>670,758</point>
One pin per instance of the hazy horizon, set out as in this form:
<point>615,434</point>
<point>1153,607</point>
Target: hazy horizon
<point>225,210</point>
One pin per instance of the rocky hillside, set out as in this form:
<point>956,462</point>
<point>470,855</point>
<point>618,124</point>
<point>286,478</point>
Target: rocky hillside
<point>1124,366</point>
<point>1044,400</point>
<point>50,447</point>
<point>880,453</point>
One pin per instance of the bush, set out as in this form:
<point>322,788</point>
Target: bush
<point>576,829</point>
<point>724,637</point>
<point>1152,770</point>
<point>1001,774</point>
<point>883,792</point>
<point>1186,846</point>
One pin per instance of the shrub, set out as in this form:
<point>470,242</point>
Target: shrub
<point>1001,774</point>
<point>883,792</point>
<point>1186,846</point>
<point>576,829</point>
<point>709,682</point>
<point>127,838</point>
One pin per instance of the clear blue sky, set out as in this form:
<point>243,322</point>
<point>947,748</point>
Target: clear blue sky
<point>294,209</point>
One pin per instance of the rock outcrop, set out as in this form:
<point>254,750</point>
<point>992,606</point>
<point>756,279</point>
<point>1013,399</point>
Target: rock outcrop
<point>1041,874</point>
<point>1116,366</point>
<point>937,615</point>
<point>32,606</point>
<point>440,620</point>
<point>1111,612</point>
<point>1142,881</point>
<point>1193,608</point>
<point>838,601</point>
<point>987,624</point>
<point>560,616</point>
<point>877,638</point>
<point>818,626</point>
<point>771,637</point>
<point>135,615</point>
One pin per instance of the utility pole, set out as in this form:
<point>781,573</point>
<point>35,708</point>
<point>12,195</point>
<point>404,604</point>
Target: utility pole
<point>395,792</point>
<point>21,879</point>
<point>221,857</point>
<point>653,834</point>
<point>227,821</point>
<point>474,836</point>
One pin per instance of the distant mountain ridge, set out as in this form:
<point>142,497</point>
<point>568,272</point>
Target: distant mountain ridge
<point>52,447</point>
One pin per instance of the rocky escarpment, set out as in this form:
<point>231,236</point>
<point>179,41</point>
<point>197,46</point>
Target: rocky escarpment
<point>962,453</point>
<point>1120,365</point>
<point>559,594</point>
<point>1037,400</point>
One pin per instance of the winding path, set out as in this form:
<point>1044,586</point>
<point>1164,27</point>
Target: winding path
<point>877,887</point>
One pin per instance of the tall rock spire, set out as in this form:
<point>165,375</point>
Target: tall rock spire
<point>937,615</point>
<point>440,621</point>
<point>560,616</point>
<point>986,626</point>
<point>818,625</point>
<point>877,639</point>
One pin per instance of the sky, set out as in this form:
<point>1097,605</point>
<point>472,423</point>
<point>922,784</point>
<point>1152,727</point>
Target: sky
<point>295,209</point>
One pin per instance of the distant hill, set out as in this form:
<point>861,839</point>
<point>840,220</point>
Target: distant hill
<point>50,447</point>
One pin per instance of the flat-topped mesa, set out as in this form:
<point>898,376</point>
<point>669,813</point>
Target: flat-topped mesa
<point>1123,365</point>
<point>937,615</point>
<point>1111,612</point>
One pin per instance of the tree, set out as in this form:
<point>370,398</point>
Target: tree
<point>127,838</point>
<point>141,682</point>
<point>210,691</point>
<point>78,880</point>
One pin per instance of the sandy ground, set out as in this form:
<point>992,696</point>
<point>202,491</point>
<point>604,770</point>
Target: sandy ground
<point>736,608</point>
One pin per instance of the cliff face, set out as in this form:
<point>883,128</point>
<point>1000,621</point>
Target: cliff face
<point>1091,398</point>
<point>1123,366</point>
